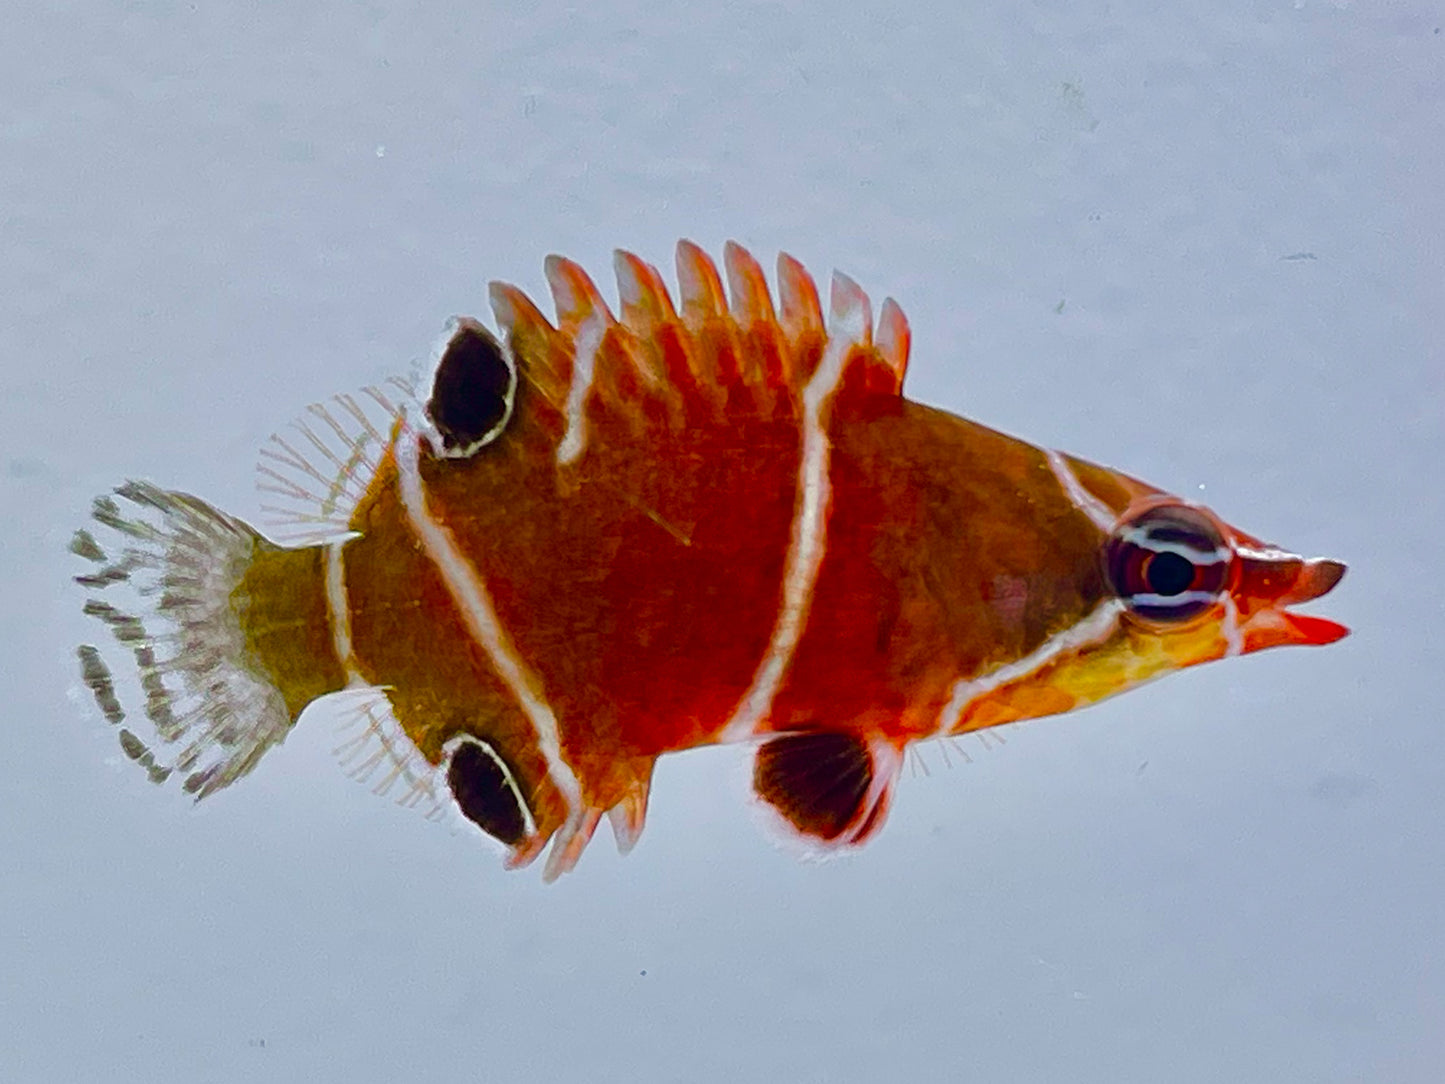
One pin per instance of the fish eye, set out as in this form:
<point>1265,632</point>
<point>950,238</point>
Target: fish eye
<point>1168,564</point>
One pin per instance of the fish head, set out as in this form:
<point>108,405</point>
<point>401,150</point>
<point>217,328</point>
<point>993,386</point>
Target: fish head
<point>1179,586</point>
<point>1199,589</point>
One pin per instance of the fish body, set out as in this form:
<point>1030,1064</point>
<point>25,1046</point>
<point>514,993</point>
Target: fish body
<point>612,536</point>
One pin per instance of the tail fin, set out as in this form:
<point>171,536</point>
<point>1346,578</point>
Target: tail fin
<point>222,626</point>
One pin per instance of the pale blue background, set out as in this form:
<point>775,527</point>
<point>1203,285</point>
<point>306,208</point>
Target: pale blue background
<point>1095,216</point>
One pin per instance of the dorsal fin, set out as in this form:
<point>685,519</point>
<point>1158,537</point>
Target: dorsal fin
<point>575,296</point>
<point>642,295</point>
<point>313,474</point>
<point>832,788</point>
<point>751,302</point>
<point>699,286</point>
<point>542,353</point>
<point>802,314</point>
<point>713,352</point>
<point>893,340</point>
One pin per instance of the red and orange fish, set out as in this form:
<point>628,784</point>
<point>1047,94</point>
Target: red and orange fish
<point>620,535</point>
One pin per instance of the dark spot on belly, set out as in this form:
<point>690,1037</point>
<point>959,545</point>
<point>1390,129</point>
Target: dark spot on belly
<point>487,796</point>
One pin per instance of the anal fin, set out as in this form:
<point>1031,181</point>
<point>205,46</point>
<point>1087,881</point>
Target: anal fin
<point>830,787</point>
<point>629,815</point>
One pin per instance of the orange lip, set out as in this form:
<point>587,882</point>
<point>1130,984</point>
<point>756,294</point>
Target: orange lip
<point>1316,577</point>
<point>1269,581</point>
<point>1313,631</point>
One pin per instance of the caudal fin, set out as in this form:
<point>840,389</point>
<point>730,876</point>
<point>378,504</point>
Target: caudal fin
<point>170,582</point>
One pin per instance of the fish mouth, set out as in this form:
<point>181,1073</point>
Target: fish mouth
<point>1316,577</point>
<point>1272,580</point>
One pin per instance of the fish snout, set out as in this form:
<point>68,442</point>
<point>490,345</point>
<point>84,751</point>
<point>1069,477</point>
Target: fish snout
<point>1272,580</point>
<point>1316,577</point>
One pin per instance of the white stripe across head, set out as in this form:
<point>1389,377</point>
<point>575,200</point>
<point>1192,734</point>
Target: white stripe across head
<point>1099,513</point>
<point>1097,626</point>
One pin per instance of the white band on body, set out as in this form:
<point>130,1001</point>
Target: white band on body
<point>850,325</point>
<point>474,603</point>
<point>339,609</point>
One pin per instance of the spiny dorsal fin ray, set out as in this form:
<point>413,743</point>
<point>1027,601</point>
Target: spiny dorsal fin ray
<point>569,843</point>
<point>713,354</point>
<point>658,334</point>
<point>751,302</point>
<point>893,340</point>
<point>575,296</point>
<point>541,352</point>
<point>629,816</point>
<point>766,357</point>
<point>642,294</point>
<point>802,313</point>
<point>871,370</point>
<point>850,312</point>
<point>699,286</point>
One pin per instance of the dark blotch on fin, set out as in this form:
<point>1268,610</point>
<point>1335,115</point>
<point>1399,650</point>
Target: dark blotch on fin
<point>473,390</point>
<point>816,780</point>
<point>96,676</point>
<point>83,544</point>
<point>486,794</point>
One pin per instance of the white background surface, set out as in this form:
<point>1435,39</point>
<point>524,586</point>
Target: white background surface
<point>1096,218</point>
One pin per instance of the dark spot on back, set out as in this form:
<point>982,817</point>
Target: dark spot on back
<point>480,787</point>
<point>469,394</point>
<point>816,780</point>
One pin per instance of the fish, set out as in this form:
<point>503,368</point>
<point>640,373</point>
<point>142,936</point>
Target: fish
<point>621,533</point>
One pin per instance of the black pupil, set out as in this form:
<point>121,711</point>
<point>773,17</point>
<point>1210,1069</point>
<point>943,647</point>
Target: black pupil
<point>1169,574</point>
